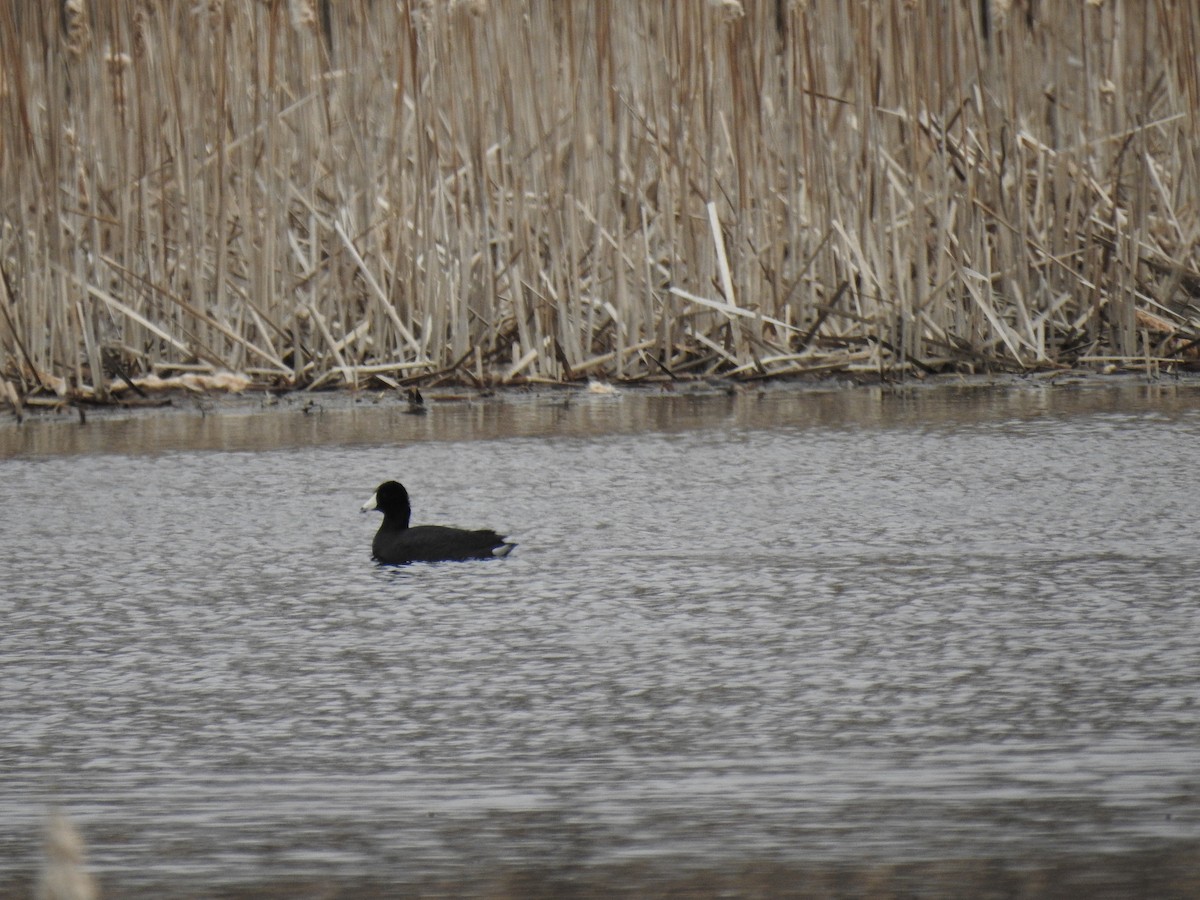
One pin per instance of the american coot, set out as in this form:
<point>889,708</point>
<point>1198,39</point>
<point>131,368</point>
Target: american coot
<point>395,542</point>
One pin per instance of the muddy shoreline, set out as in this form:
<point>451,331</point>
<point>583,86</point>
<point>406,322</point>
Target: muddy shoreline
<point>176,401</point>
<point>253,421</point>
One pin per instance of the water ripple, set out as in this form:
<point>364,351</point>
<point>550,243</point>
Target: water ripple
<point>795,642</point>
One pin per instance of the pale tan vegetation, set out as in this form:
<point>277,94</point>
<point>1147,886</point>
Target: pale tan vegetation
<point>64,874</point>
<point>376,193</point>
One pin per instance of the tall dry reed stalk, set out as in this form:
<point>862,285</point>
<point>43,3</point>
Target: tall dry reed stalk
<point>314,193</point>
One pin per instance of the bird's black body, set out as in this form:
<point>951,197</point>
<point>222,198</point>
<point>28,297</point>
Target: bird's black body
<point>396,542</point>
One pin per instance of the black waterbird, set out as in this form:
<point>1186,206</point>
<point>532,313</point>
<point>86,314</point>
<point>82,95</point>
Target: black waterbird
<point>396,542</point>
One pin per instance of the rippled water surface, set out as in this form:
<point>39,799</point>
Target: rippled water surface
<point>786,628</point>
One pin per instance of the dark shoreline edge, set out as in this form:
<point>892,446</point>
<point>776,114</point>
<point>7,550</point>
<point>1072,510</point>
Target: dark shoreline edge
<point>178,401</point>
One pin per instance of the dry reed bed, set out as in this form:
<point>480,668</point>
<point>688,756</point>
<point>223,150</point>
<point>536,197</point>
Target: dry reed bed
<point>308,194</point>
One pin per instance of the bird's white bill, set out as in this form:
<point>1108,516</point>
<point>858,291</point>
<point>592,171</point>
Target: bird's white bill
<point>370,504</point>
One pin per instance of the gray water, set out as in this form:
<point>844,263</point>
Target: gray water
<point>777,628</point>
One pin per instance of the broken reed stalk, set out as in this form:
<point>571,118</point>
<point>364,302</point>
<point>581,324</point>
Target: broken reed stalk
<point>532,190</point>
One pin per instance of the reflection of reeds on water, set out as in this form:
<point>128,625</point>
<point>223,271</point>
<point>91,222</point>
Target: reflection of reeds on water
<point>484,192</point>
<point>63,876</point>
